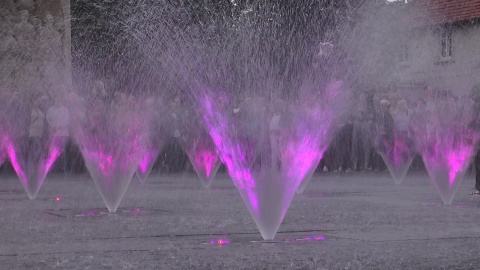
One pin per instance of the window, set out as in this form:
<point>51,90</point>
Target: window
<point>447,48</point>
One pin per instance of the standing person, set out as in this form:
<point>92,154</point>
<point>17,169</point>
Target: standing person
<point>343,147</point>
<point>418,123</point>
<point>475,126</point>
<point>246,133</point>
<point>401,119</point>
<point>58,119</point>
<point>384,128</point>
<point>174,156</point>
<point>36,130</point>
<point>361,133</point>
<point>276,129</point>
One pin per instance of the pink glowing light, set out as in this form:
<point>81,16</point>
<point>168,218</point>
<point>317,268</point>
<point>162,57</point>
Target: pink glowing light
<point>12,154</point>
<point>206,159</point>
<point>312,238</point>
<point>231,153</point>
<point>147,160</point>
<point>203,156</point>
<point>302,156</point>
<point>58,199</point>
<point>220,242</point>
<point>457,162</point>
<point>53,154</point>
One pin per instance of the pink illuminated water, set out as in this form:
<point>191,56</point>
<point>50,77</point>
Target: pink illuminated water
<point>111,174</point>
<point>112,146</point>
<point>269,190</point>
<point>308,176</point>
<point>398,156</point>
<point>33,175</point>
<point>146,164</point>
<point>203,157</point>
<point>446,166</point>
<point>447,149</point>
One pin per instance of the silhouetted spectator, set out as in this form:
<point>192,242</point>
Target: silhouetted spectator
<point>58,119</point>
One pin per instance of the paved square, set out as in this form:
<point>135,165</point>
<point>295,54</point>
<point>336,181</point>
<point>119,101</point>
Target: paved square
<point>342,221</point>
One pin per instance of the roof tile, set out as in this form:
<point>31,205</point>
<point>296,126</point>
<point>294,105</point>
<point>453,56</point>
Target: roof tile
<point>444,11</point>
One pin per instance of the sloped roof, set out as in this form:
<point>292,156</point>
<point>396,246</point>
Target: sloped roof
<point>445,11</point>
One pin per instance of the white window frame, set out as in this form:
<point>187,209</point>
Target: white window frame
<point>446,44</point>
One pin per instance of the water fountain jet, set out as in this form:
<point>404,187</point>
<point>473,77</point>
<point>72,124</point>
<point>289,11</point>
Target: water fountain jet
<point>203,157</point>
<point>447,146</point>
<point>112,144</point>
<point>30,171</point>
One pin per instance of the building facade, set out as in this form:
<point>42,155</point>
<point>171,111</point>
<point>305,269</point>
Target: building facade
<point>441,47</point>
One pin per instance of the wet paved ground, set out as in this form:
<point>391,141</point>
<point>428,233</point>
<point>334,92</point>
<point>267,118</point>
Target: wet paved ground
<point>344,221</point>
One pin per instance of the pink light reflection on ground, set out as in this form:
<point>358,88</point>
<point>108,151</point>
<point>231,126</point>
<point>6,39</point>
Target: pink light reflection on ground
<point>314,238</point>
<point>220,242</point>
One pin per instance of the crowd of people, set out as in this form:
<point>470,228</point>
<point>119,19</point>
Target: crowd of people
<point>31,51</point>
<point>37,106</point>
<point>380,119</point>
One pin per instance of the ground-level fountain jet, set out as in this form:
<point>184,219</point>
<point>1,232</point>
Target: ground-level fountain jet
<point>111,176</point>
<point>447,142</point>
<point>308,176</point>
<point>112,144</point>
<point>153,130</point>
<point>398,155</point>
<point>146,164</point>
<point>32,167</point>
<point>267,185</point>
<point>446,165</point>
<point>316,123</point>
<point>203,157</point>
<point>111,165</point>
